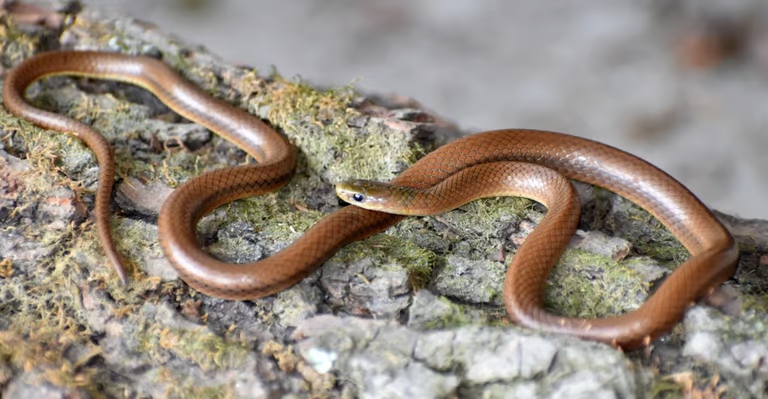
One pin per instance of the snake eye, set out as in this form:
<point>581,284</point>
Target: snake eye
<point>358,197</point>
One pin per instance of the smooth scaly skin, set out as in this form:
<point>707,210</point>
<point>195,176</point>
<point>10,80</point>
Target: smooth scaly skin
<point>237,126</point>
<point>713,250</point>
<point>496,179</point>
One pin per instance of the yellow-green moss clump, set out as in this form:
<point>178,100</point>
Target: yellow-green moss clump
<point>199,346</point>
<point>584,284</point>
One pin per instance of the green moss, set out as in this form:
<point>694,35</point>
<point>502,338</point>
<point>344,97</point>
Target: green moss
<point>136,241</point>
<point>664,389</point>
<point>584,284</point>
<point>317,123</point>
<point>664,247</point>
<point>274,223</point>
<point>178,390</point>
<point>49,314</point>
<point>418,246</point>
<point>47,318</point>
<point>453,315</point>
<point>757,301</point>
<point>135,235</point>
<point>385,250</point>
<point>45,150</point>
<point>275,219</point>
<point>277,222</point>
<point>201,347</point>
<point>482,219</point>
<point>45,312</point>
<point>474,230</point>
<point>17,44</point>
<point>648,236</point>
<point>22,353</point>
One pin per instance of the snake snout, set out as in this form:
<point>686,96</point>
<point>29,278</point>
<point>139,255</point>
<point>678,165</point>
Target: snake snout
<point>352,191</point>
<point>364,193</point>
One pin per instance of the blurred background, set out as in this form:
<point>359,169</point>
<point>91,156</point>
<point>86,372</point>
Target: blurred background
<point>682,83</point>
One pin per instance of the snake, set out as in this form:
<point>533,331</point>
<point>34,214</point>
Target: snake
<point>535,155</point>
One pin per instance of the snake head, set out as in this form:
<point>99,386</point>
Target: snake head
<point>366,194</point>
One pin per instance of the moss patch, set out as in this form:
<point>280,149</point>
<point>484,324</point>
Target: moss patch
<point>330,146</point>
<point>200,347</point>
<point>587,285</point>
<point>385,249</point>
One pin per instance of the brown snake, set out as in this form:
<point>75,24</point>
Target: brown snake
<point>713,250</point>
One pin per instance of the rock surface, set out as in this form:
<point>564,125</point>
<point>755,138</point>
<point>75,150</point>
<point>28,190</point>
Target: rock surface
<point>415,312</point>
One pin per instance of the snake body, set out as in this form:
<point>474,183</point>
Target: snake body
<point>713,250</point>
